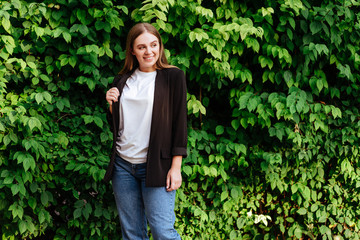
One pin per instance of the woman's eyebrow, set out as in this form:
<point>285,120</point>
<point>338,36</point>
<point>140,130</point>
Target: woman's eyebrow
<point>141,44</point>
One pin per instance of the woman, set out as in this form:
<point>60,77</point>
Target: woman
<point>147,115</point>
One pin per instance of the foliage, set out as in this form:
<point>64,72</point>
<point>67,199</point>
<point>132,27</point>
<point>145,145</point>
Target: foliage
<point>273,103</point>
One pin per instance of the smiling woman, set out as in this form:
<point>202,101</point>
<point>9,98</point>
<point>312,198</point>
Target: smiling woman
<point>147,114</point>
<point>137,33</point>
<point>146,51</point>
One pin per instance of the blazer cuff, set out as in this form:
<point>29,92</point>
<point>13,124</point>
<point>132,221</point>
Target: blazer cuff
<point>179,151</point>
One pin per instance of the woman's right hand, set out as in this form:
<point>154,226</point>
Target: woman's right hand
<point>112,95</point>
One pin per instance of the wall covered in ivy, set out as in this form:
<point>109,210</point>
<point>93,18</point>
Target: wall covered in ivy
<point>273,109</point>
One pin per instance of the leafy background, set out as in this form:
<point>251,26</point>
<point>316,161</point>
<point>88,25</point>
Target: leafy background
<point>273,109</point>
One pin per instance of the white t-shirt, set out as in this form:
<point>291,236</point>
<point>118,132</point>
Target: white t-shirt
<point>136,107</point>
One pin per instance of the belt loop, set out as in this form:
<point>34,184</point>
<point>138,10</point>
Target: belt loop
<point>133,168</point>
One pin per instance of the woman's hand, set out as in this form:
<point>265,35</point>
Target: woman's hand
<point>174,178</point>
<point>112,95</point>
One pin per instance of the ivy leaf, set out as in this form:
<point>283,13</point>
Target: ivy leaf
<point>6,24</point>
<point>34,122</point>
<point>77,213</point>
<point>187,170</point>
<point>234,193</point>
<point>60,105</point>
<point>315,27</point>
<point>336,112</point>
<point>47,96</point>
<point>67,37</point>
<point>32,202</point>
<point>319,84</point>
<point>72,61</point>
<point>219,130</point>
<point>63,140</point>
<point>2,128</point>
<point>85,2</point>
<point>224,195</point>
<point>44,199</point>
<point>235,124</point>
<point>98,121</point>
<point>83,30</point>
<point>22,226</point>
<point>240,148</point>
<point>29,162</point>
<point>15,189</point>
<point>288,77</point>
<point>302,211</point>
<point>41,217</point>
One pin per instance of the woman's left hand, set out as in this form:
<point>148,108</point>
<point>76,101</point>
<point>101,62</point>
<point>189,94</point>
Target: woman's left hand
<point>174,178</point>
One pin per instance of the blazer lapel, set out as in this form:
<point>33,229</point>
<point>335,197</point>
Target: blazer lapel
<point>120,85</point>
<point>159,101</point>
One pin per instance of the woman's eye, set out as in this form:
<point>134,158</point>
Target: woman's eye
<point>154,45</point>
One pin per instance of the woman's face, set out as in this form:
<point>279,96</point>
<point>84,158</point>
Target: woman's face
<point>146,49</point>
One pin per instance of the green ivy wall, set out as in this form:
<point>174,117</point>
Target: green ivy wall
<point>273,109</point>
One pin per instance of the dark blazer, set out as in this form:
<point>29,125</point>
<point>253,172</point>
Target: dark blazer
<point>168,134</point>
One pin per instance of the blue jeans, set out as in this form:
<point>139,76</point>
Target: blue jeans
<point>137,204</point>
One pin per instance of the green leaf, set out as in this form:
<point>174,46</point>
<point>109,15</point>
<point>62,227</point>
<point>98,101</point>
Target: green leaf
<point>6,24</point>
<point>83,30</point>
<point>85,2</point>
<point>234,193</point>
<point>219,130</point>
<point>77,213</point>
<point>39,98</point>
<point>241,222</point>
<point>72,61</point>
<point>319,84</point>
<point>60,105</point>
<point>63,140</point>
<point>98,121</point>
<point>41,217</point>
<point>298,233</point>
<point>235,124</point>
<point>29,162</point>
<point>336,112</point>
<point>224,195</point>
<point>48,60</point>
<point>2,128</point>
<point>32,202</point>
<point>67,37</point>
<point>15,189</point>
<point>44,199</point>
<point>233,235</point>
<point>314,208</point>
<point>315,27</point>
<point>160,15</point>
<point>35,80</point>
<point>47,96</point>
<point>302,211</point>
<point>34,122</point>
<point>187,170</point>
<point>288,78</point>
<point>22,226</point>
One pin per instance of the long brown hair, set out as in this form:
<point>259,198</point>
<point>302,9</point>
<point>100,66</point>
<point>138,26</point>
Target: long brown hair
<point>131,63</point>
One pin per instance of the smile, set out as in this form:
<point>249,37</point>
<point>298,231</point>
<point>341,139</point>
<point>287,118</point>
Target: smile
<point>148,58</point>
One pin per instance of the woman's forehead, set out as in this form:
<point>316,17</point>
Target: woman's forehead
<point>145,38</point>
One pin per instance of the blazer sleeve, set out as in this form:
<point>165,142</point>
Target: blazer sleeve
<point>179,125</point>
<point>108,113</point>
